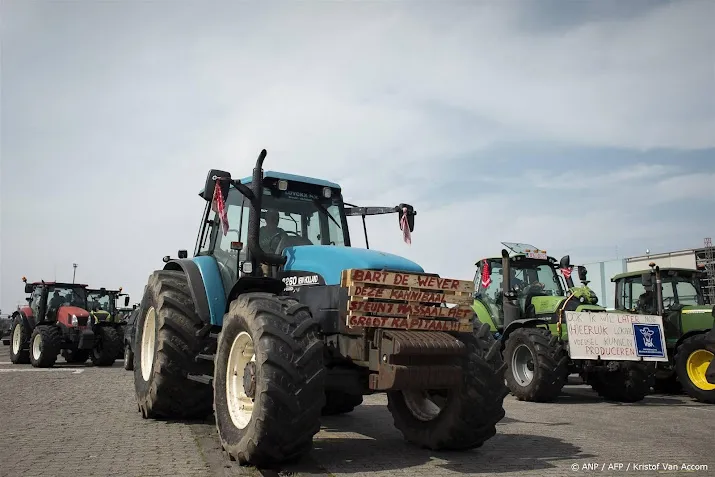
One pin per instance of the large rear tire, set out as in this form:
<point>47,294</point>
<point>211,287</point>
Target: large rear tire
<point>269,380</point>
<point>45,344</point>
<point>466,417</point>
<point>537,365</point>
<point>128,358</point>
<point>107,347</point>
<point>630,383</point>
<point>165,348</point>
<point>692,359</point>
<point>19,346</point>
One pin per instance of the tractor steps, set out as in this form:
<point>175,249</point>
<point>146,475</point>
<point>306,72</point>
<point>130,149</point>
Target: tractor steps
<point>205,357</point>
<point>200,378</point>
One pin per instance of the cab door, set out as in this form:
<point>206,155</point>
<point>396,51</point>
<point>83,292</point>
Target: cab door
<point>488,293</point>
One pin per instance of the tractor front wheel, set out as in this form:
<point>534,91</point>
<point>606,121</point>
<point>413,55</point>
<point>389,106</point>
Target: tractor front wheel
<point>19,352</point>
<point>166,345</point>
<point>692,359</point>
<point>108,345</point>
<point>536,365</point>
<point>461,418</point>
<point>269,380</point>
<point>128,358</point>
<point>45,344</point>
<point>629,383</point>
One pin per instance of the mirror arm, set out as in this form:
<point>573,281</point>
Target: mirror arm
<point>244,189</point>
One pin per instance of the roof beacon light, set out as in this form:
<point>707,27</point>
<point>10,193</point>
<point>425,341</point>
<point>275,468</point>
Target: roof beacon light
<point>283,185</point>
<point>327,192</point>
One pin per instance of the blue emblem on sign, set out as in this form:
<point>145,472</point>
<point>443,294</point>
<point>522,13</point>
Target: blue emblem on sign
<point>649,341</point>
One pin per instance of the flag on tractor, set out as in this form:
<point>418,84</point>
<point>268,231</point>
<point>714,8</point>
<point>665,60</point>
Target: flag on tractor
<point>486,275</point>
<point>567,272</point>
<point>219,206</point>
<point>405,227</point>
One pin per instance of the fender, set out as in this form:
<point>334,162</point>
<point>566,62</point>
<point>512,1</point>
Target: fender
<point>23,317</point>
<point>253,284</point>
<point>195,279</point>
<point>524,323</point>
<point>692,333</point>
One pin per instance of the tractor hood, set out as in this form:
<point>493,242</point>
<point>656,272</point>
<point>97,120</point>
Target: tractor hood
<point>101,315</point>
<point>329,261</point>
<point>697,310</point>
<point>546,304</point>
<point>66,312</point>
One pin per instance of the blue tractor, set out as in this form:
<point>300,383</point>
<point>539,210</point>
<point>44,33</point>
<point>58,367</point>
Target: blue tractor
<point>272,326</point>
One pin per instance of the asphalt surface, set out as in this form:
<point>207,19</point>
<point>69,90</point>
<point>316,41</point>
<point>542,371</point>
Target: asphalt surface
<point>83,421</point>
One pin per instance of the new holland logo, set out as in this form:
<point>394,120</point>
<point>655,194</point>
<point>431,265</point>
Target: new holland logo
<point>300,281</point>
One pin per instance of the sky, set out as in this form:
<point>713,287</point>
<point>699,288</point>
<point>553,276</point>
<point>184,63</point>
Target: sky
<point>581,127</point>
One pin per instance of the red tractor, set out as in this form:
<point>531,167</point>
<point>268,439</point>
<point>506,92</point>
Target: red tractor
<point>55,320</point>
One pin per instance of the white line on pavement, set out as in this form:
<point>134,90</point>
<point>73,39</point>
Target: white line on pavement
<point>73,371</point>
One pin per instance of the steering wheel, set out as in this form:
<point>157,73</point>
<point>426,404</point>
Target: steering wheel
<point>280,235</point>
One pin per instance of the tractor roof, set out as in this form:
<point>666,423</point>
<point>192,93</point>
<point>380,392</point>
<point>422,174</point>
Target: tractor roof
<point>290,177</point>
<point>92,290</point>
<point>523,249</point>
<point>638,273</point>
<point>60,284</point>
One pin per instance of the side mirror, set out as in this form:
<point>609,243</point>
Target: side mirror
<point>565,261</point>
<point>582,272</point>
<point>210,184</point>
<point>410,215</point>
<point>126,301</point>
<point>183,254</point>
<point>647,281</point>
<point>28,288</point>
<point>28,299</point>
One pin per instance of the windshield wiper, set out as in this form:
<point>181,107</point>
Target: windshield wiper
<point>322,208</point>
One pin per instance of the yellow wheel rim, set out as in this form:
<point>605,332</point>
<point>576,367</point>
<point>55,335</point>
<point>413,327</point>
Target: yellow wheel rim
<point>698,362</point>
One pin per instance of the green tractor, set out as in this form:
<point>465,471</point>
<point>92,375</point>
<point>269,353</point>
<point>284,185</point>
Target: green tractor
<point>270,327</point>
<point>526,303</point>
<point>676,295</point>
<point>710,372</point>
<point>102,304</point>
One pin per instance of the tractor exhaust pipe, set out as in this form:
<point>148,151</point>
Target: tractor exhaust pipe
<point>254,219</point>
<point>659,290</point>
<point>510,307</point>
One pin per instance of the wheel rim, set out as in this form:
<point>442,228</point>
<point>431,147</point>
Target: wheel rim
<point>37,347</point>
<point>697,364</point>
<point>522,365</point>
<point>240,406</point>
<point>148,342</point>
<point>16,338</point>
<point>424,405</point>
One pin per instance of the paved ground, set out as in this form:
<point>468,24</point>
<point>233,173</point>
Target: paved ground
<point>83,421</point>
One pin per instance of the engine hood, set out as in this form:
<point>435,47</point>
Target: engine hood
<point>68,311</point>
<point>329,261</point>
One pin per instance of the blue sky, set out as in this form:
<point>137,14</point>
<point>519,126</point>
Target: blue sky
<point>582,127</point>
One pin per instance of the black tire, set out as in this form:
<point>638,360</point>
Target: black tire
<point>289,380</point>
<point>121,329</point>
<point>549,363</point>
<point>75,356</point>
<point>667,384</point>
<point>108,344</point>
<point>471,412</point>
<point>166,392</point>
<point>50,343</point>
<point>630,383</point>
<point>128,358</point>
<point>698,389</point>
<point>22,354</point>
<point>338,402</point>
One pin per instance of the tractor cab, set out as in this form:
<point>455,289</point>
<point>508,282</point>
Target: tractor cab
<point>525,284</point>
<point>55,301</point>
<point>103,303</point>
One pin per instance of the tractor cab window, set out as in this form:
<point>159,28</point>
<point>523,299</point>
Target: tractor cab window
<point>491,294</point>
<point>58,297</point>
<point>535,278</point>
<point>97,301</point>
<point>681,290</point>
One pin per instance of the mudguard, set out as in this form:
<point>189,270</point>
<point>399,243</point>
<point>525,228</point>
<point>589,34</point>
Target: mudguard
<point>524,323</point>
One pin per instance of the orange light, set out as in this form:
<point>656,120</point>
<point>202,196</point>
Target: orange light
<point>120,289</point>
<point>24,279</point>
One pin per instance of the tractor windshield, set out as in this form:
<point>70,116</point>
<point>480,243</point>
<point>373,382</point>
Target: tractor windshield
<point>100,301</point>
<point>681,289</point>
<point>63,296</point>
<point>527,277</point>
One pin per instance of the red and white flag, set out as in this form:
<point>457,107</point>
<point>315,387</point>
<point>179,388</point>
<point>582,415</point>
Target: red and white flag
<point>486,275</point>
<point>219,206</point>
<point>405,227</point>
<point>567,272</point>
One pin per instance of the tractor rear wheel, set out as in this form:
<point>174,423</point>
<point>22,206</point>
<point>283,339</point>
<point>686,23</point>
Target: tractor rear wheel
<point>338,402</point>
<point>45,344</point>
<point>167,343</point>
<point>629,383</point>
<point>128,358</point>
<point>107,346</point>
<point>19,352</point>
<point>458,419</point>
<point>537,365</point>
<point>269,380</point>
<point>75,356</point>
<point>692,359</point>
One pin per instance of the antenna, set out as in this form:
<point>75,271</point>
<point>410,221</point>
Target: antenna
<point>74,271</point>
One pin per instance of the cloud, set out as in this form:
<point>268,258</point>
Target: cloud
<point>113,113</point>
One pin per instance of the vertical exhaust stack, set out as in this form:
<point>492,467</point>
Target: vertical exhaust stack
<point>511,308</point>
<point>254,219</point>
<point>658,289</point>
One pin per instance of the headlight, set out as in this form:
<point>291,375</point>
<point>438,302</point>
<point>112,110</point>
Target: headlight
<point>74,320</point>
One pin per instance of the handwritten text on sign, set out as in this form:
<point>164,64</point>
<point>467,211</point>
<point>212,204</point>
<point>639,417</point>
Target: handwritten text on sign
<point>407,324</point>
<point>410,280</point>
<point>409,295</point>
<point>610,336</point>
<point>403,309</point>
